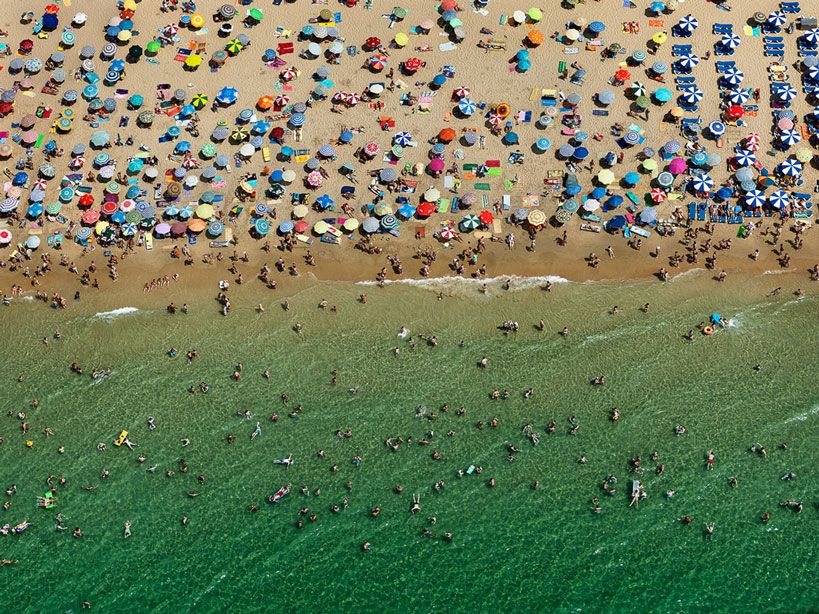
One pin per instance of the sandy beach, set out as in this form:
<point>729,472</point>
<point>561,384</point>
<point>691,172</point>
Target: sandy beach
<point>306,302</point>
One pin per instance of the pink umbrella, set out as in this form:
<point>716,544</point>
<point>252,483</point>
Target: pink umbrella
<point>677,166</point>
<point>314,179</point>
<point>371,148</point>
<point>436,165</point>
<point>281,101</point>
<point>288,74</point>
<point>91,216</point>
<point>785,124</point>
<point>190,163</point>
<point>353,99</point>
<point>461,92</point>
<point>40,184</point>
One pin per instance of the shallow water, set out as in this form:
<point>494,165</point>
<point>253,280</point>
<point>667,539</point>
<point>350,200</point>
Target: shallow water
<point>513,547</point>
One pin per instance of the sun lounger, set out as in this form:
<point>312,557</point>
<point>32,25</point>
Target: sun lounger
<point>692,211</point>
<point>723,28</point>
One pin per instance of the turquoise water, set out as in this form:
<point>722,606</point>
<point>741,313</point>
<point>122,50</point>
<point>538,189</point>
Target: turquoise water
<point>513,547</point>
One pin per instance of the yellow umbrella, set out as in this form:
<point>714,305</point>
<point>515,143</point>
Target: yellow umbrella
<point>299,211</point>
<point>660,38</point>
<point>650,164</point>
<point>350,224</point>
<point>193,60</point>
<point>804,154</point>
<point>605,176</point>
<point>129,5</point>
<point>320,227</point>
<point>100,227</point>
<point>124,36</point>
<point>677,112</point>
<point>401,39</point>
<point>197,21</point>
<point>204,211</point>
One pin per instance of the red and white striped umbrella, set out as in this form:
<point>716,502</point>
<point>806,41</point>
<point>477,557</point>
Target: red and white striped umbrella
<point>190,163</point>
<point>288,74</point>
<point>752,142</point>
<point>352,99</point>
<point>447,234</point>
<point>315,179</point>
<point>77,162</point>
<point>495,119</point>
<point>281,101</point>
<point>340,97</point>
<point>371,148</point>
<point>40,184</point>
<point>461,92</point>
<point>658,195</point>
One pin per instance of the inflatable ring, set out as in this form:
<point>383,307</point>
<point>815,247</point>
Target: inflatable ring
<point>503,110</point>
<point>708,330</point>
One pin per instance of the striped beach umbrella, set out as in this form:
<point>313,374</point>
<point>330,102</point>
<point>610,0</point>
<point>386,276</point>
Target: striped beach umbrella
<point>738,96</point>
<point>811,36</point>
<point>371,148</point>
<point>665,179</point>
<point>83,233</point>
<point>9,204</point>
<point>672,147</point>
<point>754,198</point>
<point>789,137</point>
<point>716,128</point>
<point>744,157</point>
<point>777,18</point>
<point>790,167</point>
<point>470,222</point>
<point>733,76</point>
<point>658,195</point>
<point>296,120</point>
<point>402,138</point>
<point>128,229</point>
<point>261,226</point>
<point>730,40</point>
<point>688,61</point>
<point>390,222</point>
<point>702,183</point>
<point>688,23</point>
<point>779,199</point>
<point>659,68</point>
<point>466,106</point>
<point>377,62</point>
<point>786,93</point>
<point>691,94</point>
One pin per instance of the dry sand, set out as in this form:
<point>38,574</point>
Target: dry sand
<point>487,74</point>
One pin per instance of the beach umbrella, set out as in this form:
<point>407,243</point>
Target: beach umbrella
<point>606,97</point>
<point>786,93</point>
<point>466,106</point>
<point>199,101</point>
<point>53,208</point>
<point>314,179</point>
<point>9,204</point>
<point>261,226</point>
<point>738,96</point>
<point>100,138</point>
<point>812,37</point>
<point>688,23</point>
<point>702,183</point>
<point>659,38</point>
<point>665,179</point>
<point>631,138</point>
<point>777,18</point>
<point>5,236</point>
<point>425,209</point>
<point>744,157</point>
<point>402,138</point>
<point>804,155</point>
<point>662,95</point>
<point>153,47</point>
<point>389,222</point>
<point>566,150</point>
<point>658,195</point>
<point>135,101</point>
<point>779,199</point>
<point>789,137</point>
<point>716,128</point>
<point>227,95</point>
<point>580,153</point>
<point>542,144</point>
<point>638,89</point>
<point>642,102</point>
<point>596,27</point>
<point>90,91</point>
<point>622,75</point>
<point>33,66</point>
<point>469,222</point>
<point>91,216</point>
<point>377,62</point>
<point>109,105</point>
<point>387,175</point>
<point>58,76</point>
<point>461,92</point>
<point>688,61</point>
<point>605,176</point>
<point>754,198</point>
<point>730,40</point>
<point>631,178</point>
<point>35,210</point>
<point>813,73</point>
<point>691,94</point>
<point>370,225</point>
<point>733,76</point>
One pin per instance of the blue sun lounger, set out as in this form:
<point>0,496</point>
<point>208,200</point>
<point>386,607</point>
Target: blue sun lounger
<point>692,211</point>
<point>701,210</point>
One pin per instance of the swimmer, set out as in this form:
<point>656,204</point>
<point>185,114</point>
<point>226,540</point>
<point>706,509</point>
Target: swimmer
<point>127,528</point>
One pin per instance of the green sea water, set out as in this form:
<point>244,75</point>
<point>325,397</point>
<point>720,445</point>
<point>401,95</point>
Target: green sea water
<point>513,547</point>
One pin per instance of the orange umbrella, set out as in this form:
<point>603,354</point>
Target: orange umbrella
<point>446,135</point>
<point>265,102</point>
<point>197,225</point>
<point>52,9</point>
<point>448,5</point>
<point>535,37</point>
<point>622,75</point>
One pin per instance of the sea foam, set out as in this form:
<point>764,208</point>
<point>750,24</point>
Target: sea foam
<point>438,283</point>
<point>111,315</point>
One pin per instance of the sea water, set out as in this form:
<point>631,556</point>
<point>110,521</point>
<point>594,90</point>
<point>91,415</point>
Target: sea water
<point>513,547</point>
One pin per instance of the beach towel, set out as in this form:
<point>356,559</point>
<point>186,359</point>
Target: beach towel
<point>443,205</point>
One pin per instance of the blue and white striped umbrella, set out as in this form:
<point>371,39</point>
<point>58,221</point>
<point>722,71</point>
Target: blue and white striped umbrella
<point>786,93</point>
<point>738,96</point>
<point>691,94</point>
<point>702,183</point>
<point>227,95</point>
<point>128,230</point>
<point>790,137</point>
<point>326,150</point>
<point>754,198</point>
<point>716,128</point>
<point>730,40</point>
<point>171,211</point>
<point>402,138</point>
<point>790,167</point>
<point>733,75</point>
<point>779,199</point>
<point>297,119</point>
<point>185,212</point>
<point>466,106</point>
<point>688,61</point>
<point>777,18</point>
<point>8,205</point>
<point>813,73</point>
<point>811,36</point>
<point>744,157</point>
<point>688,23</point>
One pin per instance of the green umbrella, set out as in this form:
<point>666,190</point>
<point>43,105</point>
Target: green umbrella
<point>642,102</point>
<point>200,101</point>
<point>399,12</point>
<point>325,15</point>
<point>208,150</point>
<point>146,117</point>
<point>133,217</point>
<point>256,14</point>
<point>53,208</point>
<point>153,47</point>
